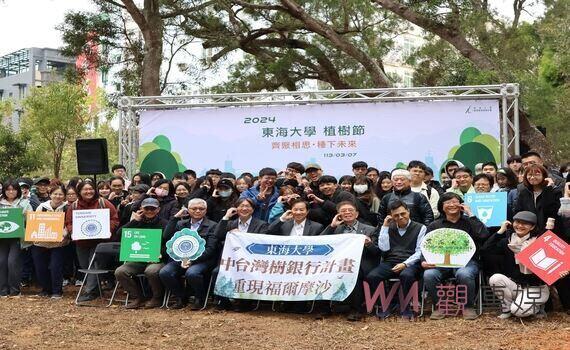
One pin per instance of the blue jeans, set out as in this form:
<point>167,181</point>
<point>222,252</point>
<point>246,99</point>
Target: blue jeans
<point>49,268</point>
<point>464,275</point>
<point>195,277</point>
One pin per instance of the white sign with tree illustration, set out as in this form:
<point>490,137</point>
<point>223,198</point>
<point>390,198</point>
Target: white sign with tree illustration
<point>448,247</point>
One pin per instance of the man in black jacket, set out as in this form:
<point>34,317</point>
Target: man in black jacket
<point>323,206</point>
<point>126,274</point>
<point>456,215</point>
<point>346,222</point>
<point>195,271</point>
<point>420,209</point>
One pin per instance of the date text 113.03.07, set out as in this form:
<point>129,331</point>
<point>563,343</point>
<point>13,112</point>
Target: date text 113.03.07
<point>339,155</point>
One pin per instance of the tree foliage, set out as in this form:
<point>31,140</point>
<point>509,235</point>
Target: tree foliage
<point>17,157</point>
<point>447,241</point>
<point>55,115</point>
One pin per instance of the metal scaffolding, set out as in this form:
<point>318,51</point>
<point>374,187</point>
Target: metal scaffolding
<point>507,94</point>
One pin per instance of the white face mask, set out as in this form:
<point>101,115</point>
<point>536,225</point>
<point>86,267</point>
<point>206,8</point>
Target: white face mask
<point>360,189</point>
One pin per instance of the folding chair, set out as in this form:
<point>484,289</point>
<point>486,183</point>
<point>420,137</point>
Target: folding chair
<point>111,252</point>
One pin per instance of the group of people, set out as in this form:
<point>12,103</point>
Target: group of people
<point>394,210</point>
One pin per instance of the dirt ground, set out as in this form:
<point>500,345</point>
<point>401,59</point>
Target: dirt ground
<point>30,322</point>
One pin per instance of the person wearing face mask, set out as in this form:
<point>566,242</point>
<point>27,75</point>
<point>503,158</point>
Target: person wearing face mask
<point>223,198</point>
<point>420,209</point>
<point>366,200</point>
<point>163,191</point>
<point>521,292</point>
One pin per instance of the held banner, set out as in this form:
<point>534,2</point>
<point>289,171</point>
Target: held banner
<point>285,268</point>
<point>11,222</point>
<point>44,226</point>
<point>248,138</point>
<point>546,257</point>
<point>91,224</point>
<point>490,208</point>
<point>140,245</point>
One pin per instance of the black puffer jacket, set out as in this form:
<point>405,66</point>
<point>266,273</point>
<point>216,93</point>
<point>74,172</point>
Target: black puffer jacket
<point>547,205</point>
<point>420,209</point>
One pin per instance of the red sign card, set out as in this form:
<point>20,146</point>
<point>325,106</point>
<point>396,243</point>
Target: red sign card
<point>546,257</point>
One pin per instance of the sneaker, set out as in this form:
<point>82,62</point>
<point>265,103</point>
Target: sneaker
<point>383,314</point>
<point>540,314</point>
<point>437,315</point>
<point>78,283</point>
<point>66,282</point>
<point>42,294</point>
<point>504,315</point>
<point>87,297</point>
<point>153,303</point>
<point>15,295</point>
<point>469,314</point>
<point>407,314</point>
<point>57,296</point>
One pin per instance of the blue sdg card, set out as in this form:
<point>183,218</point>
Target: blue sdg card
<point>490,208</point>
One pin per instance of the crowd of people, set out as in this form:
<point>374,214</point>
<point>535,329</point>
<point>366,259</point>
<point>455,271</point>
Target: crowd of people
<point>394,210</point>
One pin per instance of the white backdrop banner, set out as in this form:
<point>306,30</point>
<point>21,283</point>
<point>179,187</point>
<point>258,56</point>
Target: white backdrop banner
<point>264,267</point>
<point>238,139</point>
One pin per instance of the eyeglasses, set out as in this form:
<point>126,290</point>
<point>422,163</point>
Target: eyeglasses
<point>452,203</point>
<point>150,208</point>
<point>348,210</point>
<point>197,208</point>
<point>539,175</point>
<point>462,177</point>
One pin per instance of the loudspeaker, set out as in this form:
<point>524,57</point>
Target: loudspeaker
<point>92,157</point>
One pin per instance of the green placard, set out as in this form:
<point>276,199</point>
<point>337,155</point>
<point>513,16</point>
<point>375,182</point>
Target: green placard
<point>11,223</point>
<point>140,245</point>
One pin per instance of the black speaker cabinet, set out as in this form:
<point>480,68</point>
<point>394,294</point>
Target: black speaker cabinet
<point>92,157</point>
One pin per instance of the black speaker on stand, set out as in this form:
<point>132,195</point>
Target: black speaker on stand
<point>92,157</point>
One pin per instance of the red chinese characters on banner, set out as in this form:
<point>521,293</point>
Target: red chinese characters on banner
<point>546,257</point>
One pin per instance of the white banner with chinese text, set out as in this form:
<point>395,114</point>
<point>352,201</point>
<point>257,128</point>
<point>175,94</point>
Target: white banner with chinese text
<point>289,268</point>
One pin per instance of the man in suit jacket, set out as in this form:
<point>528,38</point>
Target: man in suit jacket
<point>294,222</point>
<point>346,222</point>
<point>245,222</point>
<point>194,271</point>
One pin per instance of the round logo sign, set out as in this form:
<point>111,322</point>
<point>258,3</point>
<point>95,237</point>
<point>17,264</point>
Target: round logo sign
<point>185,246</point>
<point>91,228</point>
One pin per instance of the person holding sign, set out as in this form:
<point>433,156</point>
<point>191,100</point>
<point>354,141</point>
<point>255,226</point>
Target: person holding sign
<point>10,247</point>
<point>521,292</point>
<point>89,199</point>
<point>49,256</point>
<point>195,271</point>
<point>455,215</point>
<point>146,218</point>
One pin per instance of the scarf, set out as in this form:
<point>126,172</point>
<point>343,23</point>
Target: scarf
<point>516,244</point>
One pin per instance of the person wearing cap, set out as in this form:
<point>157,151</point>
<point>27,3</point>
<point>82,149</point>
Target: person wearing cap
<point>455,215</point>
<point>136,193</point>
<point>420,209</point>
<point>42,189</point>
<point>359,168</point>
<point>215,175</point>
<point>264,195</point>
<point>194,272</point>
<point>26,184</point>
<point>314,173</point>
<point>521,292</point>
<point>224,197</point>
<point>323,206</point>
<point>145,218</point>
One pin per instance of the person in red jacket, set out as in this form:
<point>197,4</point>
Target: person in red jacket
<point>89,199</point>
